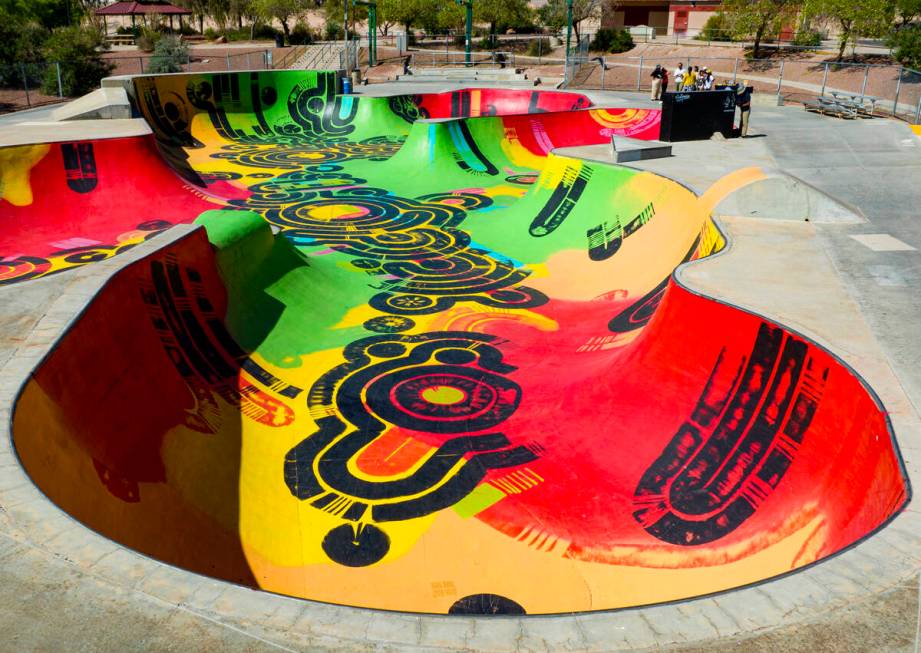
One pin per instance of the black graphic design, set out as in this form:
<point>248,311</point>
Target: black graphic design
<point>733,451</point>
<point>438,383</point>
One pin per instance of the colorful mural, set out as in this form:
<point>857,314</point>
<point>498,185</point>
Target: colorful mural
<point>416,361</point>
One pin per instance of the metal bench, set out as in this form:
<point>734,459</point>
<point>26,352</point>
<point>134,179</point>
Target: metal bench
<point>830,107</point>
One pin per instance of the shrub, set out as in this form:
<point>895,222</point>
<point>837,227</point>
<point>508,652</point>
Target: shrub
<point>539,47</point>
<point>77,49</point>
<point>211,33</point>
<point>716,28</point>
<point>612,40</point>
<point>808,38</point>
<point>148,40</point>
<point>485,43</point>
<point>301,35</point>
<point>334,31</point>
<point>906,45</point>
<point>124,31</point>
<point>169,55</point>
<point>263,32</point>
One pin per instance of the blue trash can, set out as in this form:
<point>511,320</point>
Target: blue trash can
<point>346,86</point>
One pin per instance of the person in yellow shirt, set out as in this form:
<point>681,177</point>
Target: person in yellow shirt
<point>690,78</point>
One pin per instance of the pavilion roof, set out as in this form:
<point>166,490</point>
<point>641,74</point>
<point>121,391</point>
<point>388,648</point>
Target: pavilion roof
<point>140,8</point>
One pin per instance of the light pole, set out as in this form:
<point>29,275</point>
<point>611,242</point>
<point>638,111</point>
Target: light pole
<point>568,36</point>
<point>468,29</point>
<point>372,29</point>
<point>345,27</point>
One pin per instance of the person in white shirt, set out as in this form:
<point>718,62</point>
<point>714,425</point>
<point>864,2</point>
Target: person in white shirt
<point>679,76</point>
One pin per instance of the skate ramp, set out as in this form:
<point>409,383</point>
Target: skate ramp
<point>459,379</point>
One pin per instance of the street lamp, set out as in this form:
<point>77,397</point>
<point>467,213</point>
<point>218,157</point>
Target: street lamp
<point>468,4</point>
<point>568,36</point>
<point>372,29</point>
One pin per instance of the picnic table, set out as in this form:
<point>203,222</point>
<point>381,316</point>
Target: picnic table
<point>120,39</point>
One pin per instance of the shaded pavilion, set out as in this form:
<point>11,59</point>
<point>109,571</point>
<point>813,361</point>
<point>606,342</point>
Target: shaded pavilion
<point>136,8</point>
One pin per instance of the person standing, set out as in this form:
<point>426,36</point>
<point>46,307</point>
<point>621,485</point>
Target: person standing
<point>744,102</point>
<point>679,76</point>
<point>656,94</point>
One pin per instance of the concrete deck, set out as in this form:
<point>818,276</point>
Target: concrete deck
<point>62,585</point>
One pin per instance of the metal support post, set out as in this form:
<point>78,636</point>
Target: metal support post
<point>898,89</point>
<point>568,37</point>
<point>639,75</point>
<point>866,77</point>
<point>824,80</point>
<point>57,67</point>
<point>918,113</point>
<point>25,83</point>
<point>780,79</point>
<point>735,71</point>
<point>603,66</point>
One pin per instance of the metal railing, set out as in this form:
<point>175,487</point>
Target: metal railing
<point>436,58</point>
<point>294,53</point>
<point>28,85</point>
<point>896,90</point>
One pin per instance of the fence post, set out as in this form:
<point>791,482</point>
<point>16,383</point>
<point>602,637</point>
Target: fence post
<point>918,113</point>
<point>540,48</point>
<point>866,76</point>
<point>228,61</point>
<point>603,66</point>
<point>57,66</point>
<point>141,64</point>
<point>639,75</point>
<point>824,80</point>
<point>735,71</point>
<point>898,89</point>
<point>25,83</point>
<point>780,79</point>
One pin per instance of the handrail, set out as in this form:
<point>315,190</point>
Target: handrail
<point>295,53</point>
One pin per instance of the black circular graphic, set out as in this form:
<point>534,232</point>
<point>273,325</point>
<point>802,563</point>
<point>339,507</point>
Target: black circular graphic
<point>443,399</point>
<point>389,324</point>
<point>356,545</point>
<point>485,604</point>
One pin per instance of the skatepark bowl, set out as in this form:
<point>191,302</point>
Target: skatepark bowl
<point>414,360</point>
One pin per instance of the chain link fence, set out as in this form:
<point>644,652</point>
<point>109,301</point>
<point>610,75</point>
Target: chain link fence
<point>892,89</point>
<point>29,85</point>
<point>26,85</point>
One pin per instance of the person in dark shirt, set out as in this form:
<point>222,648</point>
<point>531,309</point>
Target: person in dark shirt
<point>744,102</point>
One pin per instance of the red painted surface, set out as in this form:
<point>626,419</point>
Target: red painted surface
<point>90,199</point>
<point>499,102</point>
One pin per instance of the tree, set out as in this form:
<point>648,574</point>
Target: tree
<point>49,13</point>
<point>906,45</point>
<point>284,11</point>
<point>77,50</point>
<point>396,12</point>
<point>854,18</point>
<point>502,13</point>
<point>553,14</point>
<point>756,19</point>
<point>907,10</point>
<point>199,10</point>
